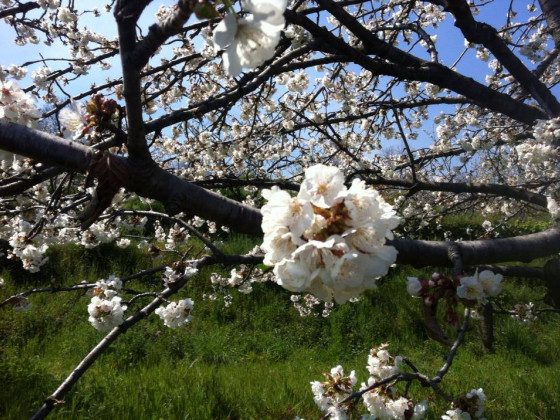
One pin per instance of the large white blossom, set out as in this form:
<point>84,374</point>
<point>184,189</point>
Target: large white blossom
<point>250,41</point>
<point>470,289</point>
<point>72,120</point>
<point>328,240</point>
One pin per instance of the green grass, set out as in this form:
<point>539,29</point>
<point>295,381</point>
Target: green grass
<point>254,359</point>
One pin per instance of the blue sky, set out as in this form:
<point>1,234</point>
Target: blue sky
<point>450,45</point>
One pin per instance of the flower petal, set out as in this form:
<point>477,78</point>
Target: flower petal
<point>224,34</point>
<point>232,64</point>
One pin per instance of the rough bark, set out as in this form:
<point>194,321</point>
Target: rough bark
<point>551,10</point>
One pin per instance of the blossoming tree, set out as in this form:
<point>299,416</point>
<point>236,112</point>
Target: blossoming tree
<point>346,121</point>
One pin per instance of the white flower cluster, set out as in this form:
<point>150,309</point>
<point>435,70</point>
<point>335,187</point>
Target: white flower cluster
<point>171,275</point>
<point>72,120</point>
<point>306,306</point>
<point>234,280</point>
<point>473,407</point>
<point>16,106</point>
<point>541,152</point>
<point>105,309</point>
<point>480,286</point>
<point>381,402</point>
<point>524,313</point>
<point>40,77</point>
<point>239,280</point>
<point>112,283</point>
<point>414,286</point>
<point>329,239</point>
<point>553,208</point>
<point>50,4</point>
<point>99,233</point>
<point>176,314</point>
<point>384,402</point>
<point>327,395</point>
<point>250,41</point>
<point>31,256</point>
<point>547,131</point>
<point>176,237</point>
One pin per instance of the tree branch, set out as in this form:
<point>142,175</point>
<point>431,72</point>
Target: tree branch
<point>126,15</point>
<point>415,69</point>
<point>159,33</point>
<point>22,8</point>
<point>482,33</point>
<point>178,195</point>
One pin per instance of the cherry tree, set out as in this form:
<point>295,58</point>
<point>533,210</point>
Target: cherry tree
<point>347,124</point>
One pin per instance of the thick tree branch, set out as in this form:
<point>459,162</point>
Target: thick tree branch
<point>551,10</point>
<point>44,147</point>
<point>148,180</point>
<point>417,69</point>
<point>126,15</point>
<point>22,8</point>
<point>520,248</point>
<point>144,178</point>
<point>482,33</point>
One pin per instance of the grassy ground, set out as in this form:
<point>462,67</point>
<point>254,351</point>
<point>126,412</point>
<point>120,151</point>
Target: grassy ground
<point>254,359</point>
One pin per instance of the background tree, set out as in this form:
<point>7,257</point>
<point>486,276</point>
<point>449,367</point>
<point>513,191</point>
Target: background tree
<point>221,101</point>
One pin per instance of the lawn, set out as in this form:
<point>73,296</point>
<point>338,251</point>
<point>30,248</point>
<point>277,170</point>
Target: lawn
<point>254,359</point>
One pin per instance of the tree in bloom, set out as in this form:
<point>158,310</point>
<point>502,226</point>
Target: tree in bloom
<point>341,134</point>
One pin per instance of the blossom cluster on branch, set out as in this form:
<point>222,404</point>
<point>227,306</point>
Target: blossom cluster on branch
<point>336,395</point>
<point>105,309</point>
<point>329,239</point>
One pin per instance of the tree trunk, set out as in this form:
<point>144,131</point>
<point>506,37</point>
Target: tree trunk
<point>551,10</point>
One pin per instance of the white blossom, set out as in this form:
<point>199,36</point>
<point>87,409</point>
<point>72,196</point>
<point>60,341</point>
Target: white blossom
<point>250,41</point>
<point>413,286</point>
<point>72,120</point>
<point>105,313</point>
<point>470,289</point>
<point>17,106</point>
<point>553,208</point>
<point>491,283</point>
<point>176,314</point>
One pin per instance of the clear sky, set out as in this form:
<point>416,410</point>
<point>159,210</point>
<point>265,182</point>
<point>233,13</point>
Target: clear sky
<point>450,45</point>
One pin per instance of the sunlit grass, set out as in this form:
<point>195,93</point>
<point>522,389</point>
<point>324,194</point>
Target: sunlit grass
<point>254,359</point>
